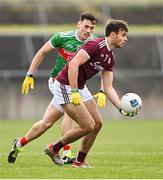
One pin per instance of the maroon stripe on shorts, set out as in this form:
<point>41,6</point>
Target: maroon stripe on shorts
<point>64,93</point>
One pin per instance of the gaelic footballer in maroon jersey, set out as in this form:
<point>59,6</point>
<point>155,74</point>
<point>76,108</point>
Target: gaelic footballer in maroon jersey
<point>94,56</point>
<point>100,58</point>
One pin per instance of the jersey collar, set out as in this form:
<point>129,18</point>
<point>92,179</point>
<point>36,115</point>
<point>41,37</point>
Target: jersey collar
<point>107,45</point>
<point>77,36</point>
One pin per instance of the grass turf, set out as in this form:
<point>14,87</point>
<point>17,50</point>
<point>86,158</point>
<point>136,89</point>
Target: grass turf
<point>128,149</point>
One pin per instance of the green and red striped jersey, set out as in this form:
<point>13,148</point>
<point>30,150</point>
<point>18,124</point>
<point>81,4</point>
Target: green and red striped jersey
<point>66,43</point>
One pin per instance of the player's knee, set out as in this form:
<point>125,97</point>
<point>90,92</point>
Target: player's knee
<point>98,126</point>
<point>47,124</point>
<point>90,127</point>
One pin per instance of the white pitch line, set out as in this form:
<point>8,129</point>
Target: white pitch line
<point>98,154</point>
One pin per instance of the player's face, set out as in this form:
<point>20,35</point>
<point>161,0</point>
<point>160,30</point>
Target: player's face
<point>85,29</point>
<point>120,39</point>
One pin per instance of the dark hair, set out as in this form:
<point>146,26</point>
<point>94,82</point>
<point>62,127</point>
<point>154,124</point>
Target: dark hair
<point>115,25</point>
<point>89,16</point>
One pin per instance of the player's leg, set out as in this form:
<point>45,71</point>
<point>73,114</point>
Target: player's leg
<point>86,124</point>
<point>79,113</point>
<point>66,125</point>
<point>89,139</point>
<point>51,115</point>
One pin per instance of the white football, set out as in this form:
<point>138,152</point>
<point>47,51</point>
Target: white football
<point>131,102</point>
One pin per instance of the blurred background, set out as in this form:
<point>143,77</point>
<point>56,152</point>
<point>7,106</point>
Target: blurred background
<point>25,25</point>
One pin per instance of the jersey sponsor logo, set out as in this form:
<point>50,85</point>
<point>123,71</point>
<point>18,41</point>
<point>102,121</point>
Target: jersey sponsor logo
<point>96,66</point>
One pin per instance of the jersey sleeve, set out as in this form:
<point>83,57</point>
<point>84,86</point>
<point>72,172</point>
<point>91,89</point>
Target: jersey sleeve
<point>91,48</point>
<point>55,40</point>
<point>110,68</point>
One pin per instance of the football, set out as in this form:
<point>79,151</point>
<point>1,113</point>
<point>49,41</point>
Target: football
<point>131,102</point>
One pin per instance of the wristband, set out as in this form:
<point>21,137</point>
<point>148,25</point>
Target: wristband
<point>74,90</point>
<point>29,74</point>
<point>102,91</point>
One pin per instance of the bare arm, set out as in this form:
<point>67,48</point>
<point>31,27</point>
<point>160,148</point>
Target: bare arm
<point>109,90</point>
<point>102,86</point>
<point>80,58</point>
<point>39,57</point>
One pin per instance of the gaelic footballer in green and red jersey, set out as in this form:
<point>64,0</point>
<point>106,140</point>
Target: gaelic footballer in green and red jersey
<point>66,43</point>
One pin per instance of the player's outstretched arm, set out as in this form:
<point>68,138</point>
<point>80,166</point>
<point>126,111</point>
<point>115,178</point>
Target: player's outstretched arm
<point>112,94</point>
<point>109,90</point>
<point>29,81</point>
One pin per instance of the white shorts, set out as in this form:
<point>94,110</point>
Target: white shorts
<point>62,93</point>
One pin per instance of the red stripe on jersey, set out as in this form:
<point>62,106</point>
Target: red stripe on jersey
<point>65,54</point>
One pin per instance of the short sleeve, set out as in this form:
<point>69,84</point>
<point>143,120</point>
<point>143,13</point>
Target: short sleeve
<point>110,68</point>
<point>91,48</point>
<point>55,40</point>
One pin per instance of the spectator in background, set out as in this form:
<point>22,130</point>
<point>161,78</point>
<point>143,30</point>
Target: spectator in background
<point>66,43</point>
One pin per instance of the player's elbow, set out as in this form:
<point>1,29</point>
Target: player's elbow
<point>108,88</point>
<point>73,64</point>
<point>70,65</point>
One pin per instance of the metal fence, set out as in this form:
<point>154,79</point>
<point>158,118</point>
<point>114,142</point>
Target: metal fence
<point>139,66</point>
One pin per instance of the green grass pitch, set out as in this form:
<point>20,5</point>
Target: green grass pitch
<point>127,149</point>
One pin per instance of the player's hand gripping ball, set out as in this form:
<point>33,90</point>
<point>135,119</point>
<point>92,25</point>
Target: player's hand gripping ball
<point>131,103</point>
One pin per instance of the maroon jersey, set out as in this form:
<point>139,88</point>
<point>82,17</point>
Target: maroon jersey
<point>101,58</point>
